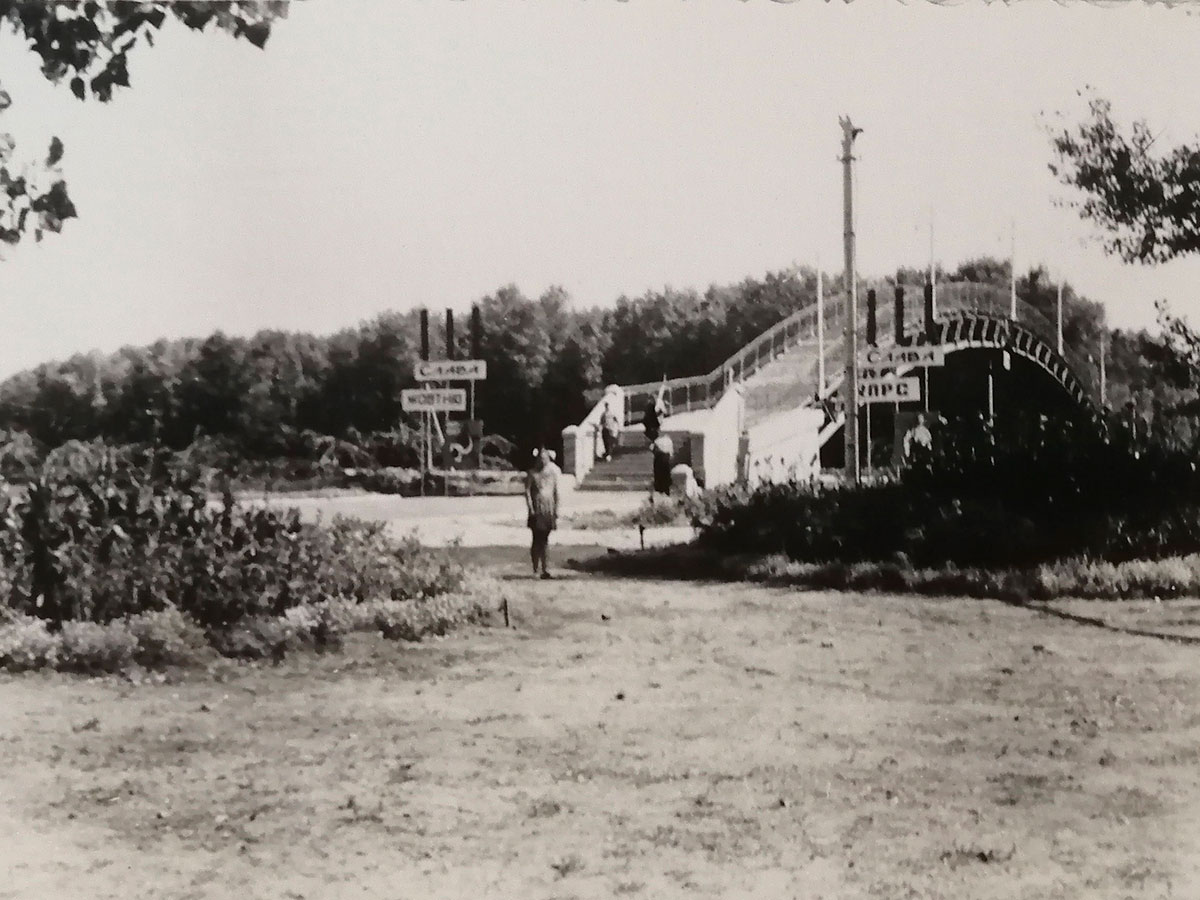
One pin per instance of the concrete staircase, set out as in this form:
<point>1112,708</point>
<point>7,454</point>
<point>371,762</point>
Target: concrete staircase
<point>630,469</point>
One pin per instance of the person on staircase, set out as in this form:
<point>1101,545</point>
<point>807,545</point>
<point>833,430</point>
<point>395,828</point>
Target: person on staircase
<point>651,420</point>
<point>663,451</point>
<point>610,429</point>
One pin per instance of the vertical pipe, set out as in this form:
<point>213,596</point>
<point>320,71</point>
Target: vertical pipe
<point>1060,319</point>
<point>898,316</point>
<point>932,269</point>
<point>820,329</point>
<point>991,396</point>
<point>1103,384</point>
<point>849,132</point>
<point>450,334</point>
<point>929,327</point>
<point>1012,277</point>
<point>476,333</point>
<point>868,440</point>
<point>871,319</point>
<point>425,335</point>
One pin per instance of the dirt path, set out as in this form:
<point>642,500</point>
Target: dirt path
<point>700,741</point>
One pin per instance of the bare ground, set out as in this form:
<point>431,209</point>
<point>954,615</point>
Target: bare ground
<point>641,739</point>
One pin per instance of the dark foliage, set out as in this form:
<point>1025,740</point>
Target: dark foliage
<point>1017,496</point>
<point>102,534</point>
<point>86,44</point>
<point>1146,201</point>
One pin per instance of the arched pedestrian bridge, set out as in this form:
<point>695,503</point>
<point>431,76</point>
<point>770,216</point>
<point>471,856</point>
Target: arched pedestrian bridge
<point>767,413</point>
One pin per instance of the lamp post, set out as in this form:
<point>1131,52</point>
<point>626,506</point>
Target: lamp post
<point>853,465</point>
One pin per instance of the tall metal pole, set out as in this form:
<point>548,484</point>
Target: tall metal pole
<point>1103,383</point>
<point>853,467</point>
<point>1060,333</point>
<point>820,329</point>
<point>932,274</point>
<point>1012,277</point>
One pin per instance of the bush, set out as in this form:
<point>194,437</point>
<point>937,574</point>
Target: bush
<point>412,621</point>
<point>660,510</point>
<point>394,480</point>
<point>259,637</point>
<point>94,649</point>
<point>1015,500</point>
<point>26,643</point>
<point>166,637</point>
<point>127,558</point>
<point>1163,578</point>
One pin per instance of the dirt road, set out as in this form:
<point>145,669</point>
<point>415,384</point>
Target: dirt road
<point>629,739</point>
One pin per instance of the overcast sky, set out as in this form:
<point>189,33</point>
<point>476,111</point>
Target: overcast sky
<point>384,154</point>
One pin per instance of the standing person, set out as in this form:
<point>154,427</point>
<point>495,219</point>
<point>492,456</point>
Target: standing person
<point>918,440</point>
<point>663,449</point>
<point>651,419</point>
<point>610,429</point>
<point>541,502</point>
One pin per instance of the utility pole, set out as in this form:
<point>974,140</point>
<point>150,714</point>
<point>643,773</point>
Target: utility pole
<point>853,464</point>
<point>932,271</point>
<point>1060,335</point>
<point>1103,383</point>
<point>820,329</point>
<point>1012,274</point>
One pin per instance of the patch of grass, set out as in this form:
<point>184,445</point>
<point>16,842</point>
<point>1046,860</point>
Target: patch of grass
<point>1175,576</point>
<point>654,511</point>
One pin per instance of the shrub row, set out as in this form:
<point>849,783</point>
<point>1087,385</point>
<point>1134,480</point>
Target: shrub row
<point>1076,578</point>
<point>170,638</point>
<point>109,559</point>
<point>1013,500</point>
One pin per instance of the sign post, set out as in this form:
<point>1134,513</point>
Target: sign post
<point>450,370</point>
<point>893,390</point>
<point>431,400</point>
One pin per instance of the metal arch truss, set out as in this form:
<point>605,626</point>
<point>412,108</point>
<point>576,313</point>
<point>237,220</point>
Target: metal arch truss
<point>965,330</point>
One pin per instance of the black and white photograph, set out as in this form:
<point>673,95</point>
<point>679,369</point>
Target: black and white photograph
<point>587,449</point>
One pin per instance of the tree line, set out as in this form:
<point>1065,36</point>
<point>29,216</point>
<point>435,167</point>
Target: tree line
<point>280,394</point>
<point>268,395</point>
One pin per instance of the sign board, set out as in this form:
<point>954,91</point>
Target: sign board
<point>899,390</point>
<point>869,373</point>
<point>433,400</point>
<point>450,370</point>
<point>891,357</point>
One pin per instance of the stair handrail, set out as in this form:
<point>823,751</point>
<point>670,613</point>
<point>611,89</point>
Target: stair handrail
<point>703,391</point>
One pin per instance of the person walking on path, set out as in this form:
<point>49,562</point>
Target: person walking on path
<point>610,429</point>
<point>541,502</point>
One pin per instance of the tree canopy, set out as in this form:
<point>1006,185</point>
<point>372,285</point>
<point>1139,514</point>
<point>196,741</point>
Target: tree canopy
<point>1146,199</point>
<point>85,44</point>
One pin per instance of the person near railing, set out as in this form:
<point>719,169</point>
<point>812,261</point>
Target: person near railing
<point>610,429</point>
<point>656,411</point>
<point>650,419</point>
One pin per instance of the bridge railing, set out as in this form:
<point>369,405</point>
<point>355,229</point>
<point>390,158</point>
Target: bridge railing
<point>703,391</point>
